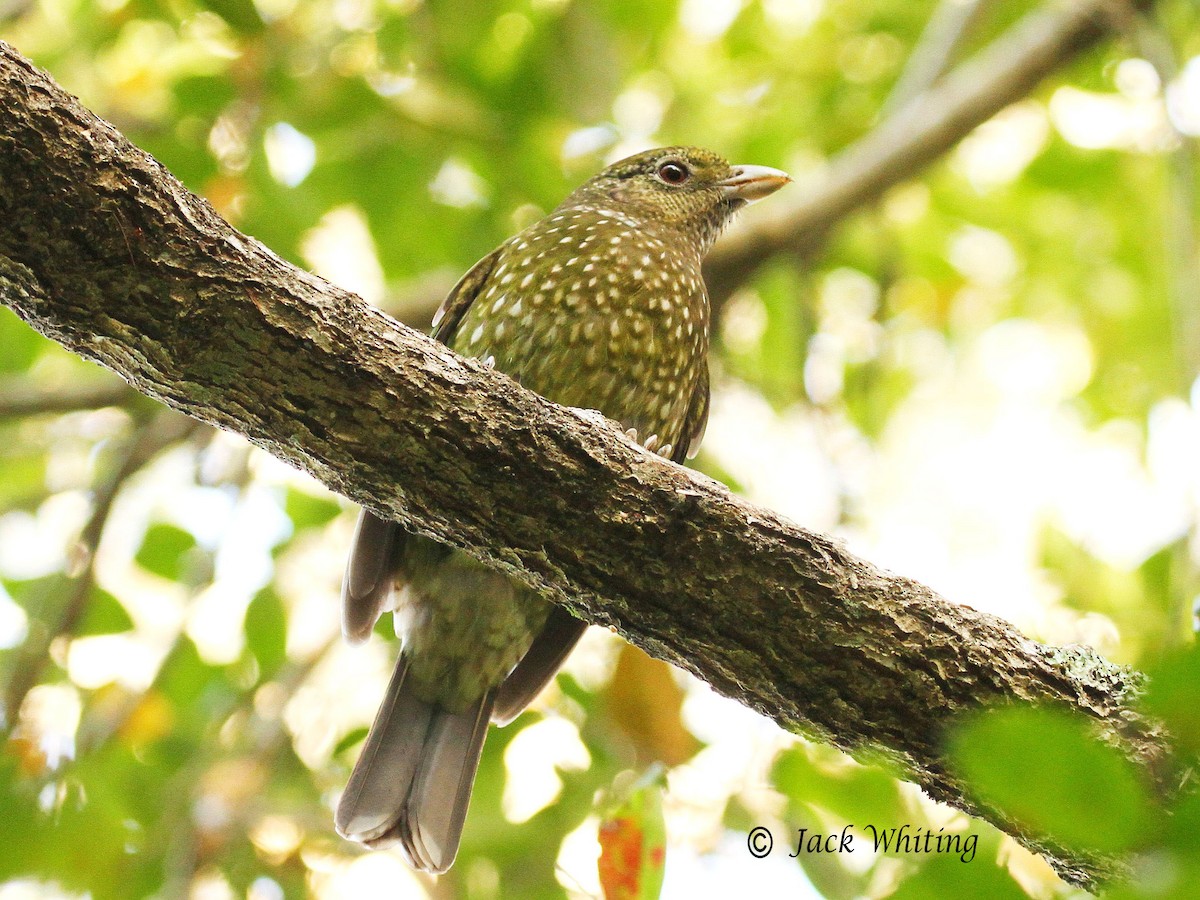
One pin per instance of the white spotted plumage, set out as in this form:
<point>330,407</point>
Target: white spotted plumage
<point>632,289</point>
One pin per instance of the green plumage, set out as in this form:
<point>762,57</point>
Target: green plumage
<point>599,305</point>
<point>614,319</point>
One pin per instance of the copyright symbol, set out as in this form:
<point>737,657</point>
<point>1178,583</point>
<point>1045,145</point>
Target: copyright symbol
<point>759,842</point>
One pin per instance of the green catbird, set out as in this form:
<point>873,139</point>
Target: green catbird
<point>600,305</point>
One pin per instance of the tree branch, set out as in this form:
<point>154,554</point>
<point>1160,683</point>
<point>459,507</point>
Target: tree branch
<point>945,33</point>
<point>915,135</point>
<point>102,250</point>
<point>18,400</point>
<point>131,454</point>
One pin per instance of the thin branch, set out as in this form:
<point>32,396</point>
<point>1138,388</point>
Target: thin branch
<point>913,137</point>
<point>131,454</point>
<point>1180,201</point>
<point>947,30</point>
<point>783,619</point>
<point>20,399</point>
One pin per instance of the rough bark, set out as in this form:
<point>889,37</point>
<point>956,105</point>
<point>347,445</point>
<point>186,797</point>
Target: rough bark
<point>104,251</point>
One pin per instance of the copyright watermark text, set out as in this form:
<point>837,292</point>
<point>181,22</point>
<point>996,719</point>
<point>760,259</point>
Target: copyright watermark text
<point>903,840</point>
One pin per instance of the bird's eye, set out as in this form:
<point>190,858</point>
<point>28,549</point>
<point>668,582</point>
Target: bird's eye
<point>673,172</point>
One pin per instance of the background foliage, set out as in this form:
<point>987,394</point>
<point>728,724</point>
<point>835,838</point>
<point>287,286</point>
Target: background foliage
<point>985,381</point>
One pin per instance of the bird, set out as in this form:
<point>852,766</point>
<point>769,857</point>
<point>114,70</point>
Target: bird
<point>600,305</point>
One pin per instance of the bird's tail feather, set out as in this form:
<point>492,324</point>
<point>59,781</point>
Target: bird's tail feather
<point>412,782</point>
<point>441,792</point>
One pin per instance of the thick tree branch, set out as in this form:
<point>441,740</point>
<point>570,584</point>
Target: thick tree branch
<point>915,135</point>
<point>102,250</point>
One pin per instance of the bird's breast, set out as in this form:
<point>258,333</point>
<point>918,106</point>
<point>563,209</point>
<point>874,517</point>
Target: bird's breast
<point>589,311</point>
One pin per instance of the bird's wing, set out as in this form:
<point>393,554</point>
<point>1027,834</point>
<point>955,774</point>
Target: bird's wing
<point>450,314</point>
<point>697,418</point>
<point>375,554</point>
<point>548,651</point>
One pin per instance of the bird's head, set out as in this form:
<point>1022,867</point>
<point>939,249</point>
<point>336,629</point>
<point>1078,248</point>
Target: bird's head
<point>687,189</point>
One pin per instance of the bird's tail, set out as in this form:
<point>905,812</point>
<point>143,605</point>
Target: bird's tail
<point>413,780</point>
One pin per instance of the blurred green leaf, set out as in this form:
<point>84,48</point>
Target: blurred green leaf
<point>266,632</point>
<point>309,511</point>
<point>19,344</point>
<point>204,95</point>
<point>1173,695</point>
<point>104,615</point>
<point>18,818</point>
<point>1045,768</point>
<point>829,872</point>
<point>189,683</point>
<point>351,739</point>
<point>24,481</point>
<point>853,793</point>
<point>41,598</point>
<point>949,876</point>
<point>1183,824</point>
<point>163,548</point>
<point>241,14</point>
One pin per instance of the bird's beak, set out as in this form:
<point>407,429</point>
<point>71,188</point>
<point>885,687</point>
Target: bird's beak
<point>749,183</point>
